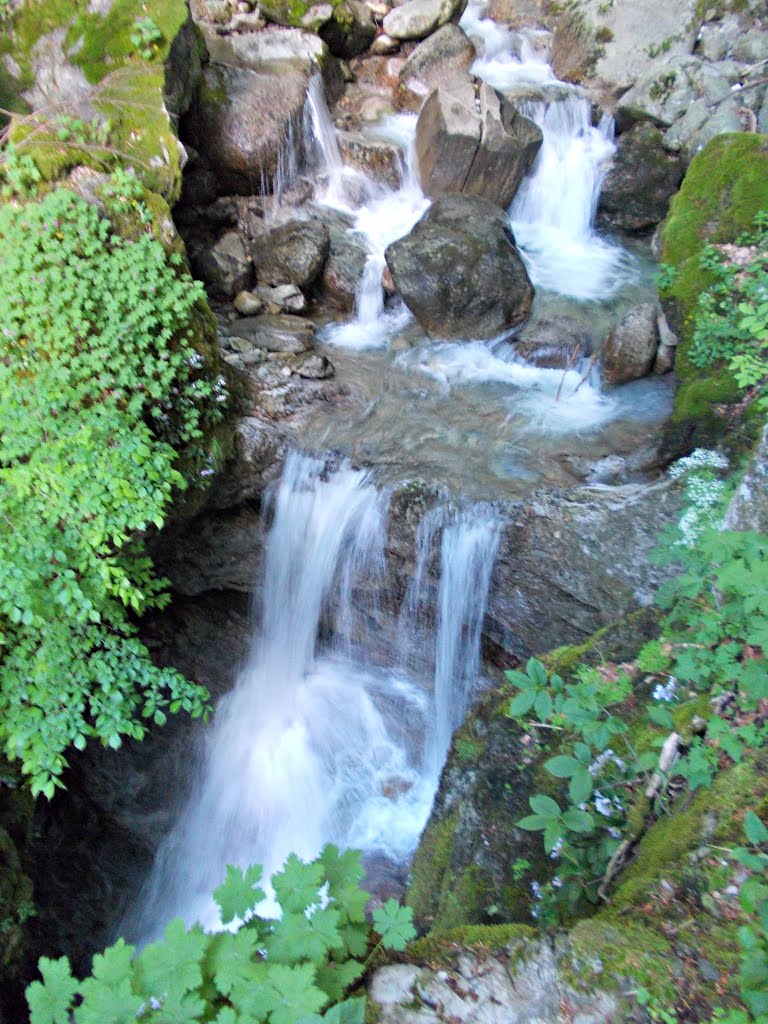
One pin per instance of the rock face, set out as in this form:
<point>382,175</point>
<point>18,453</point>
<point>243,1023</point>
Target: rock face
<point>640,184</point>
<point>294,252</point>
<point>241,119</point>
<point>630,349</point>
<point>416,19</point>
<point>748,509</point>
<point>474,143</point>
<point>459,272</point>
<point>525,983</point>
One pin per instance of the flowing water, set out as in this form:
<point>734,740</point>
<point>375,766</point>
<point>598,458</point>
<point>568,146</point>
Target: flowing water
<point>316,743</point>
<point>319,740</point>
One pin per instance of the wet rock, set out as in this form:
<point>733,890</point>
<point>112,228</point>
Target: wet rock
<point>480,145</point>
<point>285,297</point>
<point>416,19</point>
<point>630,349</point>
<point>350,30</point>
<point>312,366</point>
<point>458,271</point>
<point>240,120</point>
<point>277,332</point>
<point>667,350</point>
<point>435,61</point>
<point>378,159</point>
<point>337,285</point>
<point>225,267</point>
<point>295,251</point>
<point>272,49</point>
<point>641,182</point>
<point>553,342</point>
<point>248,303</point>
<point>526,983</point>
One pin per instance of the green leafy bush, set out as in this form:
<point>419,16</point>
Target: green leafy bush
<point>281,970</point>
<point>731,324</point>
<point>101,390</point>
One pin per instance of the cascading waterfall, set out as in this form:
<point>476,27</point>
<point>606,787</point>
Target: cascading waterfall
<point>381,214</point>
<point>315,743</point>
<point>468,542</point>
<point>553,213</point>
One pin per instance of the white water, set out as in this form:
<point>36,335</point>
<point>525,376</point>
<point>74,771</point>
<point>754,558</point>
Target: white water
<point>553,213</point>
<point>381,215</point>
<point>315,744</point>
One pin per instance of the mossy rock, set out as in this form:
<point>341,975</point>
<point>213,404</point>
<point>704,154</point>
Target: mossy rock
<point>123,97</point>
<point>725,187</point>
<point>290,12</point>
<point>474,866</point>
<point>658,930</point>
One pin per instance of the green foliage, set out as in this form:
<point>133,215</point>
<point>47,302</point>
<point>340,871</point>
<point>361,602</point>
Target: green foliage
<point>19,175</point>
<point>731,322</point>
<point>101,391</point>
<point>146,37</point>
<point>282,970</point>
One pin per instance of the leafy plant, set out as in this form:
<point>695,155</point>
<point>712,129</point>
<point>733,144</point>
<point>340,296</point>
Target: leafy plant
<point>732,316</point>
<point>101,393</point>
<point>146,37</point>
<point>295,968</point>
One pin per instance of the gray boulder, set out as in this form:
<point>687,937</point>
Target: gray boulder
<point>444,55</point>
<point>630,349</point>
<point>553,342</point>
<point>459,272</point>
<point>294,252</point>
<point>240,120</point>
<point>376,158</point>
<point>748,509</point>
<point>416,19</point>
<point>224,267</point>
<point>276,333</point>
<point>641,182</point>
<point>474,142</point>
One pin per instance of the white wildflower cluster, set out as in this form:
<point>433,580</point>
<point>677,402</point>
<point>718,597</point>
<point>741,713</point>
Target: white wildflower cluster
<point>557,882</point>
<point>195,360</point>
<point>704,493</point>
<point>220,390</point>
<point>554,853</point>
<point>606,805</point>
<point>613,832</point>
<point>607,757</point>
<point>665,691</point>
<point>701,458</point>
<point>538,896</point>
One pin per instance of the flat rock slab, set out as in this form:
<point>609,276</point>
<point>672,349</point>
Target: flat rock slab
<point>280,332</point>
<point>522,986</point>
<point>416,19</point>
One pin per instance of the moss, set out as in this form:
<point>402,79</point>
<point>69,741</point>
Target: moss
<point>618,642</point>
<point>441,949</point>
<point>290,12</point>
<point>614,951</point>
<point>429,868</point>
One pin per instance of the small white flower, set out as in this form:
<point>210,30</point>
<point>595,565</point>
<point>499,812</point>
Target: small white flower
<point>557,882</point>
<point>554,853</point>
<point>603,804</point>
<point>613,832</point>
<point>665,691</point>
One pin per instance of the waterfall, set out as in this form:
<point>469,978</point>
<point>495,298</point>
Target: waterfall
<point>553,213</point>
<point>381,214</point>
<point>468,542</point>
<point>316,743</point>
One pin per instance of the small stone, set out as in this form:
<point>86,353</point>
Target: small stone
<point>248,303</point>
<point>241,344</point>
<point>384,44</point>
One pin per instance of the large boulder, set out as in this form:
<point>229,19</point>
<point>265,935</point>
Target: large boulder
<point>459,272</point>
<point>630,349</point>
<point>444,55</point>
<point>279,332</point>
<point>295,251</point>
<point>474,141</point>
<point>241,119</point>
<point>350,29</point>
<point>641,182</point>
<point>416,19</point>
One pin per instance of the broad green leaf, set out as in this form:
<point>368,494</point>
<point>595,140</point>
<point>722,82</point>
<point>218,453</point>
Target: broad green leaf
<point>562,766</point>
<point>521,704</point>
<point>172,967</point>
<point>298,884</point>
<point>238,894</point>
<point>542,804</point>
<point>50,1000</point>
<point>335,978</point>
<point>543,705</point>
<point>234,960</point>
<point>351,1011</point>
<point>536,822</point>
<point>394,924</point>
<point>580,786</point>
<point>578,821</point>
<point>754,829</point>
